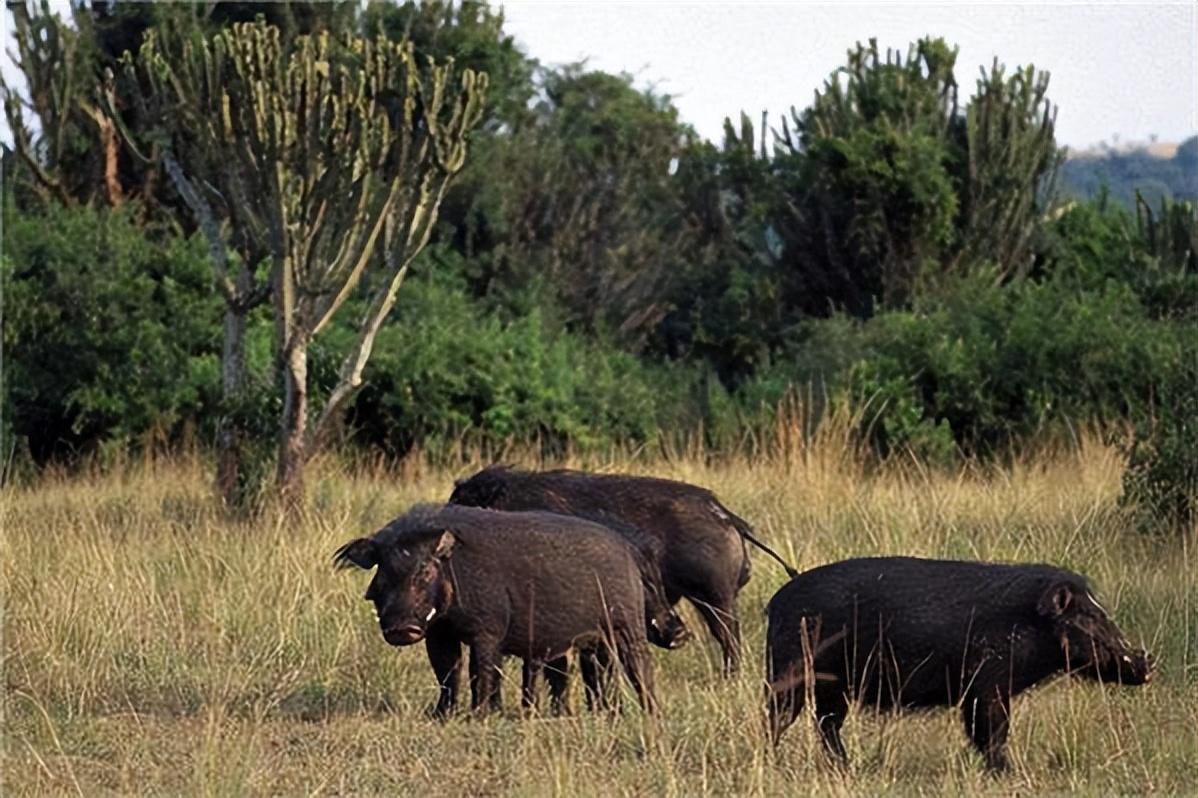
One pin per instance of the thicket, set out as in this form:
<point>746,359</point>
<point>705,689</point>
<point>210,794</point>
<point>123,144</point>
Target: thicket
<point>600,276</point>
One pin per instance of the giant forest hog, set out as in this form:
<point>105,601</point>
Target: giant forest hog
<point>663,627</point>
<point>898,633</point>
<point>528,585</point>
<point>703,556</point>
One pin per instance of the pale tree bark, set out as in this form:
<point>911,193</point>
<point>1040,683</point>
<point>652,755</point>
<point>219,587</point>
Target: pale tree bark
<point>293,440</point>
<point>241,296</point>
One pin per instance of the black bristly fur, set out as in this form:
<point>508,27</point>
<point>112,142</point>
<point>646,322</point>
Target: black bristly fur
<point>531,585</point>
<point>925,633</point>
<point>703,556</point>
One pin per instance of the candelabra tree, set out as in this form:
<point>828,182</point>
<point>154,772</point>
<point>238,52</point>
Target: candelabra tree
<point>321,162</point>
<point>1013,161</point>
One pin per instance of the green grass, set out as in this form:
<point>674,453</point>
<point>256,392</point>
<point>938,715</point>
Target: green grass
<point>153,646</point>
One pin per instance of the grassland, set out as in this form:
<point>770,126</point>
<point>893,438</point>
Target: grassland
<point>153,646</point>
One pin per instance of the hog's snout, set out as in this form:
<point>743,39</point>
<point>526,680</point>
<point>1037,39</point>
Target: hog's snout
<point>403,635</point>
<point>1137,668</point>
<point>668,634</point>
<point>681,637</point>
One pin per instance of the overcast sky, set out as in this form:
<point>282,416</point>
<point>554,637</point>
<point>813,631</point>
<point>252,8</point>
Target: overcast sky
<point>1118,70</point>
<point>1125,70</point>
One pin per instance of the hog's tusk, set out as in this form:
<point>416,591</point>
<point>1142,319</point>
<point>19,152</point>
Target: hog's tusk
<point>653,623</point>
<point>430,615</point>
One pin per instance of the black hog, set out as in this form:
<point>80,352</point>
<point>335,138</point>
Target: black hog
<point>703,555</point>
<point>528,585</point>
<point>663,627</point>
<point>898,633</point>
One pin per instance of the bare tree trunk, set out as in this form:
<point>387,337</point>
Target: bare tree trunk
<point>230,456</point>
<point>111,147</point>
<point>293,449</point>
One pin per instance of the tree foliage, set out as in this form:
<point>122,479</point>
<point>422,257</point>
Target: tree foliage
<point>109,333</point>
<point>585,203</point>
<point>323,149</point>
<point>595,274</point>
<point>894,185</point>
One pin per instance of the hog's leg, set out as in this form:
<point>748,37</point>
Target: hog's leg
<point>634,656</point>
<point>987,718</point>
<point>557,674</point>
<point>485,664</point>
<point>831,706</point>
<point>445,655</point>
<point>596,666</point>
<point>528,685</point>
<point>719,613</point>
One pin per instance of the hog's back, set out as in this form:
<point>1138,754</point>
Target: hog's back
<point>695,531</point>
<point>916,631</point>
<point>550,581</point>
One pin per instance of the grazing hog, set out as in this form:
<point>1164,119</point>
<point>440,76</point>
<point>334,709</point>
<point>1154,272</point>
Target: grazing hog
<point>703,555</point>
<point>898,633</point>
<point>528,585</point>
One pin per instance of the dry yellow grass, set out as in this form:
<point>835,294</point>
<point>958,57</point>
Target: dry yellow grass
<point>152,646</point>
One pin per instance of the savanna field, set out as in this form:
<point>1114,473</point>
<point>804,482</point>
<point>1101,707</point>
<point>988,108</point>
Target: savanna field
<point>152,645</point>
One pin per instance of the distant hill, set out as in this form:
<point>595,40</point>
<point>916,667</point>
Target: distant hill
<point>1156,169</point>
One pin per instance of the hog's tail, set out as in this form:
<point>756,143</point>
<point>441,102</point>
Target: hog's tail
<point>746,531</point>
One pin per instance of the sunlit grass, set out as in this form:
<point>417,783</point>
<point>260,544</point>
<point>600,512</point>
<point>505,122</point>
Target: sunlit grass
<point>152,645</point>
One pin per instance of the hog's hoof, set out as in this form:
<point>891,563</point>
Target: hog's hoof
<point>439,712</point>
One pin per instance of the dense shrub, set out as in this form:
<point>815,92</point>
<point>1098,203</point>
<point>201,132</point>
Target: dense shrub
<point>981,364</point>
<point>445,370</point>
<point>1162,472</point>
<point>1089,245</point>
<point>111,331</point>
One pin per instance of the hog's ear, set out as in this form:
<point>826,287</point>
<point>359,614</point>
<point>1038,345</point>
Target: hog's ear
<point>444,545</point>
<point>1056,599</point>
<point>362,552</point>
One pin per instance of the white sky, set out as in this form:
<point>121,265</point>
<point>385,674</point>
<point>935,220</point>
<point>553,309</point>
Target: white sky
<point>1125,70</point>
<point>1118,70</point>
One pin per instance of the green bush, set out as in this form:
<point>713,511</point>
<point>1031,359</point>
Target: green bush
<point>1092,244</point>
<point>980,364</point>
<point>111,332</point>
<point>1161,479</point>
<point>444,370</point>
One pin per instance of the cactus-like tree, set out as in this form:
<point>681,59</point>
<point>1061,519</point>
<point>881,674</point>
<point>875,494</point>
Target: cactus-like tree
<point>325,159</point>
<point>894,185</point>
<point>1013,162</point>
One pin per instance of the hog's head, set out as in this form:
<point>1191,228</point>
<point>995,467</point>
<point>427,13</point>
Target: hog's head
<point>487,488</point>
<point>412,585</point>
<point>1092,645</point>
<point>664,627</point>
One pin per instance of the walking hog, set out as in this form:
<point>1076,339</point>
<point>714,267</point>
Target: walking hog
<point>528,585</point>
<point>703,554</point>
<point>898,633</point>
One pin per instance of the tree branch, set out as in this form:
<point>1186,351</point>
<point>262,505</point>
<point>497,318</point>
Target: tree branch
<point>204,217</point>
<point>384,299</point>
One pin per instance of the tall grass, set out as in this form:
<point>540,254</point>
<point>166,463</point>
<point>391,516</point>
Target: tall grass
<point>153,646</point>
